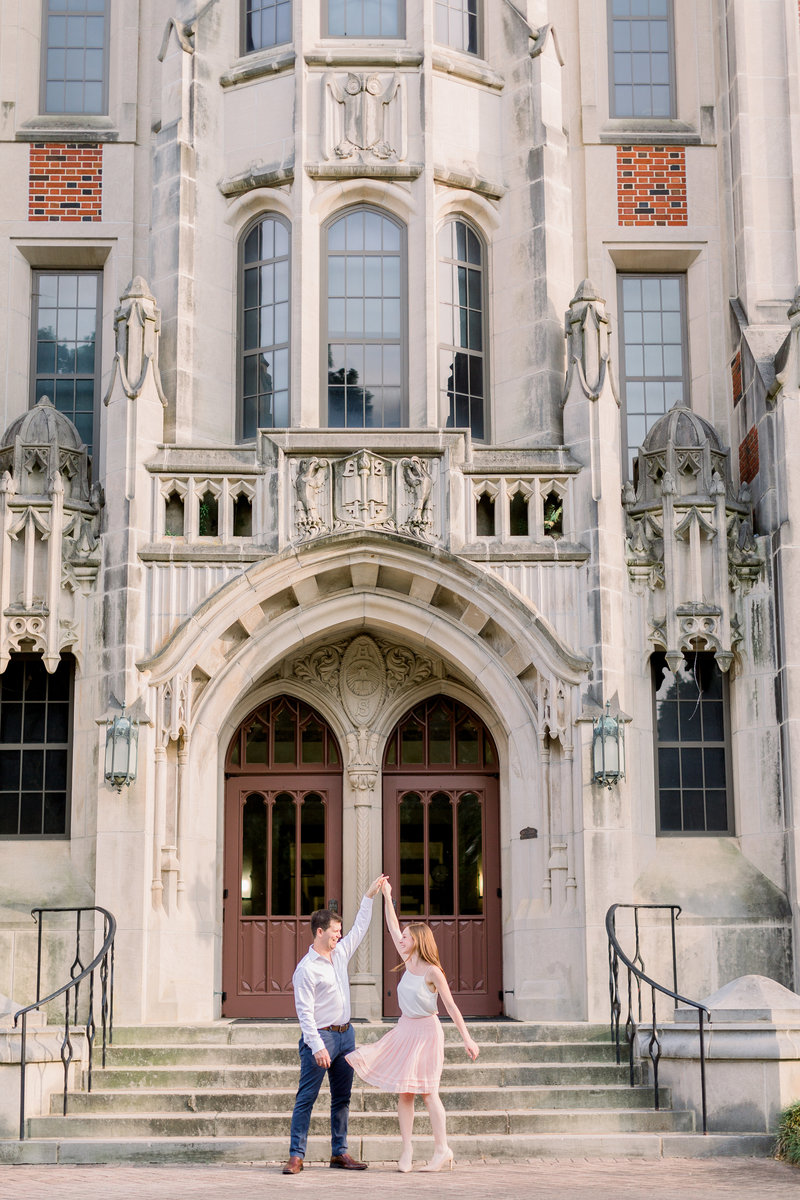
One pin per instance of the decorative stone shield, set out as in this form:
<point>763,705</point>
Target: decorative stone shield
<point>362,680</point>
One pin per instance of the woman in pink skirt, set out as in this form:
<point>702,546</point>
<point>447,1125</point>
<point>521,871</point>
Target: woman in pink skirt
<point>409,1059</point>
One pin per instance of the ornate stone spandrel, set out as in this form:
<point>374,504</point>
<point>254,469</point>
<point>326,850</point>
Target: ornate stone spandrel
<point>364,117</point>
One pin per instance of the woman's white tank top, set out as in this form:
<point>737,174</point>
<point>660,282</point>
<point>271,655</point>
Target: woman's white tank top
<point>415,997</point>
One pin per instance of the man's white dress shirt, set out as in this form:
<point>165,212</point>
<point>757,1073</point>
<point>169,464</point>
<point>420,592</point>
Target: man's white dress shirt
<point>322,987</point>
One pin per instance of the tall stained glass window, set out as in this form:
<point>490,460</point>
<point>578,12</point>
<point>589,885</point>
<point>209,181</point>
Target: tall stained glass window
<point>462,328</point>
<point>365,343</point>
<point>264,327</point>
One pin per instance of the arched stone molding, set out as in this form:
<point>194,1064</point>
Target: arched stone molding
<point>490,649</point>
<point>457,202</point>
<point>262,202</point>
<point>394,197</point>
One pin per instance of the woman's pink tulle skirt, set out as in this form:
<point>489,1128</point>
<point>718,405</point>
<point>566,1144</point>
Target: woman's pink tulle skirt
<point>409,1058</point>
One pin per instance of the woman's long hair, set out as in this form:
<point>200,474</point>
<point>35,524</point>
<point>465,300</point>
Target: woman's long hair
<point>424,945</point>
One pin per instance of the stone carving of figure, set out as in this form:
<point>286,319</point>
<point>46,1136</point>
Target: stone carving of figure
<point>312,474</point>
<point>365,100</point>
<point>418,480</point>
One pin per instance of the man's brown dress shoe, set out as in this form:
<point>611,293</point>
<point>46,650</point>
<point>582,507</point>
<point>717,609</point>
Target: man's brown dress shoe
<point>347,1163</point>
<point>294,1166</point>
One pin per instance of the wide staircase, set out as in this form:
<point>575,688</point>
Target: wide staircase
<point>224,1092</point>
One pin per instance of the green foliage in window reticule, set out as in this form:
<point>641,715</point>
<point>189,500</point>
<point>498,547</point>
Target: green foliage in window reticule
<point>787,1144</point>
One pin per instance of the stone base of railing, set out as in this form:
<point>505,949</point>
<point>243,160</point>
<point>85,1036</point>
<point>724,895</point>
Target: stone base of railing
<point>44,1069</point>
<point>752,1049</point>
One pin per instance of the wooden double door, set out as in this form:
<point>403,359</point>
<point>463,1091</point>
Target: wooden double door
<point>283,850</point>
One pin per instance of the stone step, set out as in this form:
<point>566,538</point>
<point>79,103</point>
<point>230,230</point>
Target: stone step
<point>579,1097</point>
<point>75,1151</point>
<point>502,1122</point>
<point>273,1057</point>
<point>468,1076</point>
<point>288,1032</point>
<point>280,1053</point>
<point>281,1100</point>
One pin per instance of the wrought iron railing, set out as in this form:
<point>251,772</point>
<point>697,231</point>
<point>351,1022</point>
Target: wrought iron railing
<point>103,962</point>
<point>636,975</point>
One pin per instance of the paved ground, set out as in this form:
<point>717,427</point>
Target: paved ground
<point>620,1179</point>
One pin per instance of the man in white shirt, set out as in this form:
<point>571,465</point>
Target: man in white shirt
<point>322,999</point>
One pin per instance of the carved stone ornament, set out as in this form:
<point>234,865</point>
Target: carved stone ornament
<point>364,491</point>
<point>362,681</point>
<point>364,117</point>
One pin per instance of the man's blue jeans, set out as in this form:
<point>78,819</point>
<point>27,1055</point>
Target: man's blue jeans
<point>340,1077</point>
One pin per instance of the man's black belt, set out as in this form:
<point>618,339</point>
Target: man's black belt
<point>334,1028</point>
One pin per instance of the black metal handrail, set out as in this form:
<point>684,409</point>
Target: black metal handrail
<point>616,955</point>
<point>104,959</point>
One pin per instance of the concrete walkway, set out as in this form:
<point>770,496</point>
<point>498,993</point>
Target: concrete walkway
<point>611,1179</point>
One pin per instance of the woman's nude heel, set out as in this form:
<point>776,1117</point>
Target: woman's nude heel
<point>445,1159</point>
<point>405,1160</point>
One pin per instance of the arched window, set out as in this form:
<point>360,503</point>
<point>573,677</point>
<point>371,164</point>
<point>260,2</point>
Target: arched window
<point>365,344</point>
<point>462,328</point>
<point>458,24</point>
<point>266,23</point>
<point>365,18</point>
<point>264,327</point>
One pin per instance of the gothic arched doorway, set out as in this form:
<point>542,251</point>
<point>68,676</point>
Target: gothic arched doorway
<point>441,847</point>
<point>283,851</point>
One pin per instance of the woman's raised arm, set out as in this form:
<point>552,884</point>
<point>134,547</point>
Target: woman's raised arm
<point>392,922</point>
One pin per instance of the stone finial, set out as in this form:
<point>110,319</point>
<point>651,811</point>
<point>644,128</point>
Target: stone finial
<point>587,329</point>
<point>137,328</point>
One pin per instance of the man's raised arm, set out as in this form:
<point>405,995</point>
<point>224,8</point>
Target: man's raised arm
<point>350,943</point>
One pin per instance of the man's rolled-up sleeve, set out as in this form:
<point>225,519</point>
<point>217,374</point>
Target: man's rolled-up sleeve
<point>304,1004</point>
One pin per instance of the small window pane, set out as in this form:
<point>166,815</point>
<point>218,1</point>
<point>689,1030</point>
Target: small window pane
<point>34,762</point>
<point>267,23</point>
<point>640,52</point>
<point>74,58</point>
<point>652,352</point>
<point>691,751</point>
<point>65,306</point>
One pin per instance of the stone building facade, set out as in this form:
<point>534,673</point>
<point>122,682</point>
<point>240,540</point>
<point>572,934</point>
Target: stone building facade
<point>389,387</point>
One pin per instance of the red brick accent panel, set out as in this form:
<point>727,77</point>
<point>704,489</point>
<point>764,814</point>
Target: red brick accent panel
<point>65,182</point>
<point>736,372</point>
<point>651,185</point>
<point>748,456</point>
